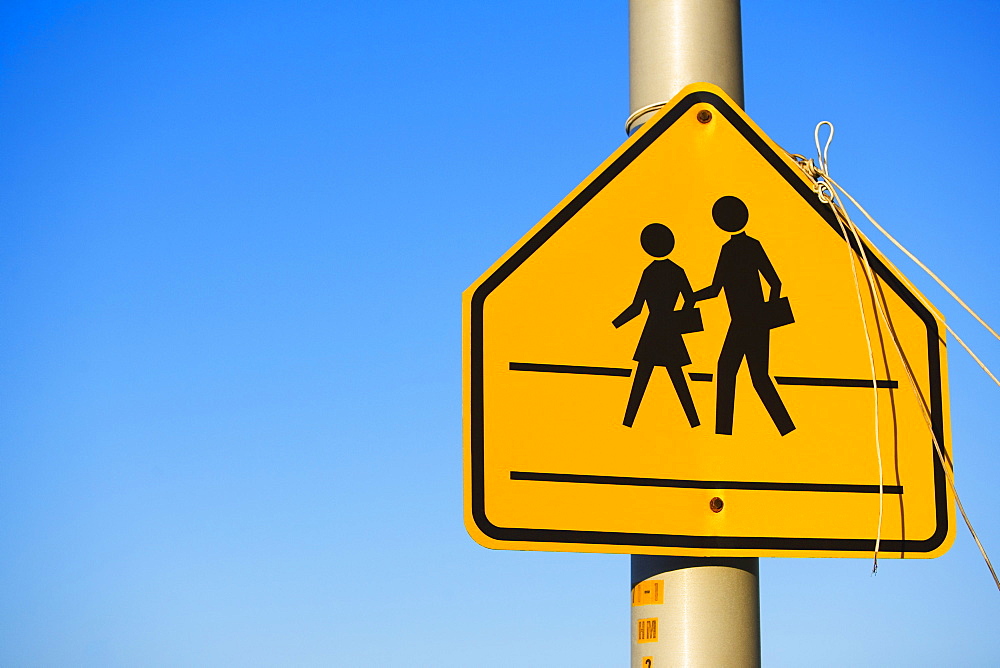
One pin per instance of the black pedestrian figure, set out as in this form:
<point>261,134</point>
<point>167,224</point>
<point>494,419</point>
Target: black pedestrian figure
<point>661,342</point>
<point>742,262</point>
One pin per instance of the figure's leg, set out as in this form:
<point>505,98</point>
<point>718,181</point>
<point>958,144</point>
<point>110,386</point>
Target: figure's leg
<point>758,361</point>
<point>725,381</point>
<point>684,394</point>
<point>642,374</point>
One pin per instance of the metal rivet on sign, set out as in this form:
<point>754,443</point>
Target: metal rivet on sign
<point>715,504</point>
<point>704,116</point>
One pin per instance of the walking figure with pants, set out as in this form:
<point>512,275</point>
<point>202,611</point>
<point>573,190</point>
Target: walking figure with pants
<point>742,263</point>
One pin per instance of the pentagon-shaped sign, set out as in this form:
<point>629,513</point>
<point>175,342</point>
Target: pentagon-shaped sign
<point>674,361</point>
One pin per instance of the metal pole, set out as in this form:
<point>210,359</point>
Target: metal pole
<point>706,611</point>
<point>690,611</point>
<point>676,42</point>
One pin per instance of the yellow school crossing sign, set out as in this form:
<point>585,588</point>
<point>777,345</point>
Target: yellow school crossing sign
<point>674,361</point>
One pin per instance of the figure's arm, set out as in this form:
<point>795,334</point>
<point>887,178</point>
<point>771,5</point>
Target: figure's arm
<point>716,287</point>
<point>633,309</point>
<point>707,293</point>
<point>770,275</point>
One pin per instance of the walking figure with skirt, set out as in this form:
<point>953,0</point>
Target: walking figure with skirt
<point>661,342</point>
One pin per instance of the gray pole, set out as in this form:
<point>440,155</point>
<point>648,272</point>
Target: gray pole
<point>676,42</point>
<point>706,610</point>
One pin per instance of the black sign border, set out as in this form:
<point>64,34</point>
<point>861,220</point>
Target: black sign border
<point>625,539</point>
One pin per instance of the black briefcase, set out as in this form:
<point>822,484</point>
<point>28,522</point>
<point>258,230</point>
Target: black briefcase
<point>688,320</point>
<point>778,313</point>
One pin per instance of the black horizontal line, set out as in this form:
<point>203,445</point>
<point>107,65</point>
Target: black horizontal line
<point>704,484</point>
<point>571,368</point>
<point>815,382</point>
<point>696,376</point>
<point>834,382</point>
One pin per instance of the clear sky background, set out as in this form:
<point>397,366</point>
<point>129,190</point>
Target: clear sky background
<point>233,239</point>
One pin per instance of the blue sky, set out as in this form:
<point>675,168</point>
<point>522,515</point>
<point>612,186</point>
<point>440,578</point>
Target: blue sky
<point>233,239</point>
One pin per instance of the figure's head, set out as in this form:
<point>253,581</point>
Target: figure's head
<point>730,213</point>
<point>657,240</point>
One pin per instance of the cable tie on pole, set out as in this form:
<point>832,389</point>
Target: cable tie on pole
<point>640,112</point>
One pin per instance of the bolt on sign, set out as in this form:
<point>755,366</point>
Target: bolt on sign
<point>674,361</point>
